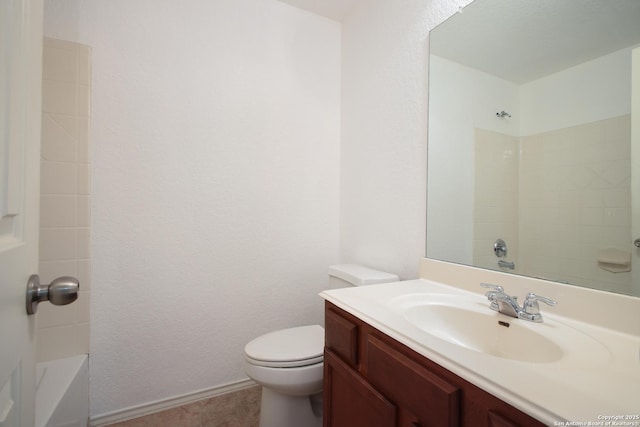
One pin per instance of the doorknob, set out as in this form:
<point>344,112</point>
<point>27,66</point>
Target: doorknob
<point>62,291</point>
<point>637,242</point>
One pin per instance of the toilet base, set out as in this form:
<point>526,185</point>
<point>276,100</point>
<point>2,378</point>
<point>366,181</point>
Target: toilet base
<point>280,410</point>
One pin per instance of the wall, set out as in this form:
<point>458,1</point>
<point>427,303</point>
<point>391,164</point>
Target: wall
<point>575,202</point>
<point>384,132</point>
<point>216,184</point>
<point>217,170</point>
<point>65,198</point>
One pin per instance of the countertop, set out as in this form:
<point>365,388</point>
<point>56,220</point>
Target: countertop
<point>597,383</point>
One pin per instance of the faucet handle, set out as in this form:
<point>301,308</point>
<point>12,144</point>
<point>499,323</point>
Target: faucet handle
<point>531,309</point>
<point>491,295</point>
<point>496,288</point>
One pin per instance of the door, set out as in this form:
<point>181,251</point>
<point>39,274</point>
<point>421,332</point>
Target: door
<point>350,401</point>
<point>20,112</point>
<point>635,169</point>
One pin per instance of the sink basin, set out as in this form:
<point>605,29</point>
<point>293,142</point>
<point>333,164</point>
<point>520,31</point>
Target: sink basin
<point>484,331</point>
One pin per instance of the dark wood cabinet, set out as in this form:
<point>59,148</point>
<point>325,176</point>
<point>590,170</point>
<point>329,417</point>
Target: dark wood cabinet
<point>372,380</point>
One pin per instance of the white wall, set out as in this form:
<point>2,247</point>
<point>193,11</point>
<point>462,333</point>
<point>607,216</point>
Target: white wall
<point>217,167</point>
<point>384,132</point>
<point>216,184</point>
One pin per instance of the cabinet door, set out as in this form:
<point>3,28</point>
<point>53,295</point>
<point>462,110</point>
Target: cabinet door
<point>341,336</point>
<point>430,399</point>
<point>349,401</point>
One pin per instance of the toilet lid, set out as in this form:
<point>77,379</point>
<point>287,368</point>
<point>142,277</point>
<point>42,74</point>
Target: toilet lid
<point>292,347</point>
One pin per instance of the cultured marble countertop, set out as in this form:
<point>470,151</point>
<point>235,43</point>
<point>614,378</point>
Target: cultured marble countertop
<point>597,380</point>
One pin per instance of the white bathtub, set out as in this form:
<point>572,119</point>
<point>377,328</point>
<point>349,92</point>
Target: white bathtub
<point>62,392</point>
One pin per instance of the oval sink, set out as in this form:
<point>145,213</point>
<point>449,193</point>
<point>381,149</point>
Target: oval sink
<point>485,332</point>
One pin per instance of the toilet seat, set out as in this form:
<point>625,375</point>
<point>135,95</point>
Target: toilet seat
<point>287,348</point>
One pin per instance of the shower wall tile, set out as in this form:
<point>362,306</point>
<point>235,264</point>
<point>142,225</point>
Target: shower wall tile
<point>59,63</point>
<point>59,97</point>
<point>58,177</point>
<point>587,169</point>
<point>578,200</point>
<point>58,244</point>
<point>57,316</point>
<point>58,211</point>
<point>84,211</point>
<point>54,342</point>
<point>62,132</point>
<point>84,273</point>
<point>84,179</point>
<point>495,196</point>
<point>84,147</point>
<point>65,200</point>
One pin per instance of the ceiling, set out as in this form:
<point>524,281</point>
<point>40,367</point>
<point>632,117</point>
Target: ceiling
<point>332,9</point>
<point>523,40</point>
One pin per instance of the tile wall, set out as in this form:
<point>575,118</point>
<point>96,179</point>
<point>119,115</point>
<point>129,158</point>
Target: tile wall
<point>495,212</point>
<point>65,195</point>
<point>558,199</point>
<point>578,186</point>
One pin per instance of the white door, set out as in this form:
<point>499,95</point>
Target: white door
<point>20,112</point>
<point>635,168</point>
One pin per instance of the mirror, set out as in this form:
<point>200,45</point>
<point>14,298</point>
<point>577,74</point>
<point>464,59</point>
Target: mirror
<point>530,148</point>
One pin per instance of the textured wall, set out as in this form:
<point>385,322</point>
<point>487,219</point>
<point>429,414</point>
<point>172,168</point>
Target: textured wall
<point>384,132</point>
<point>216,127</point>
<point>216,181</point>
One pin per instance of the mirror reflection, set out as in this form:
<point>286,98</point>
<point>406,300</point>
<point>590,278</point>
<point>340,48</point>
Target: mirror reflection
<point>530,140</point>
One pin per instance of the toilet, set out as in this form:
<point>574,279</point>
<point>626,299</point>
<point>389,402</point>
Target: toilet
<point>288,363</point>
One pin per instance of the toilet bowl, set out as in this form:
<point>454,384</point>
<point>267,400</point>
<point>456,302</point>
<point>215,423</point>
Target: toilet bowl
<point>288,363</point>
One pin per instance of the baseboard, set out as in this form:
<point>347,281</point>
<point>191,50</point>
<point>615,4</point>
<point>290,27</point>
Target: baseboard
<point>161,405</point>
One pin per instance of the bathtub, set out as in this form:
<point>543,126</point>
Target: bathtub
<point>62,390</point>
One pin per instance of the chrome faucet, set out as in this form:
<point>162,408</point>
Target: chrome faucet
<point>509,306</point>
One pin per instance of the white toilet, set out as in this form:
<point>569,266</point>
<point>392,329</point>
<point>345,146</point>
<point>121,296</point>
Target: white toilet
<point>288,363</point>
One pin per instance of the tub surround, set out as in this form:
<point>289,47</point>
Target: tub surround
<point>550,392</point>
<point>62,392</point>
<point>65,195</point>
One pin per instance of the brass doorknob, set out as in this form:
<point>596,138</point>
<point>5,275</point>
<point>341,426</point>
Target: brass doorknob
<point>62,291</point>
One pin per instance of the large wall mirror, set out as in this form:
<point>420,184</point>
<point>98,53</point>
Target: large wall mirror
<point>532,140</point>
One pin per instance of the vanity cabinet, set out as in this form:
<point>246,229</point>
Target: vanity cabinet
<point>372,380</point>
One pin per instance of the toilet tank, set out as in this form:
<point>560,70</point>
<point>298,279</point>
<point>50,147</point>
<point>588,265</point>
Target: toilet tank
<point>345,275</point>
